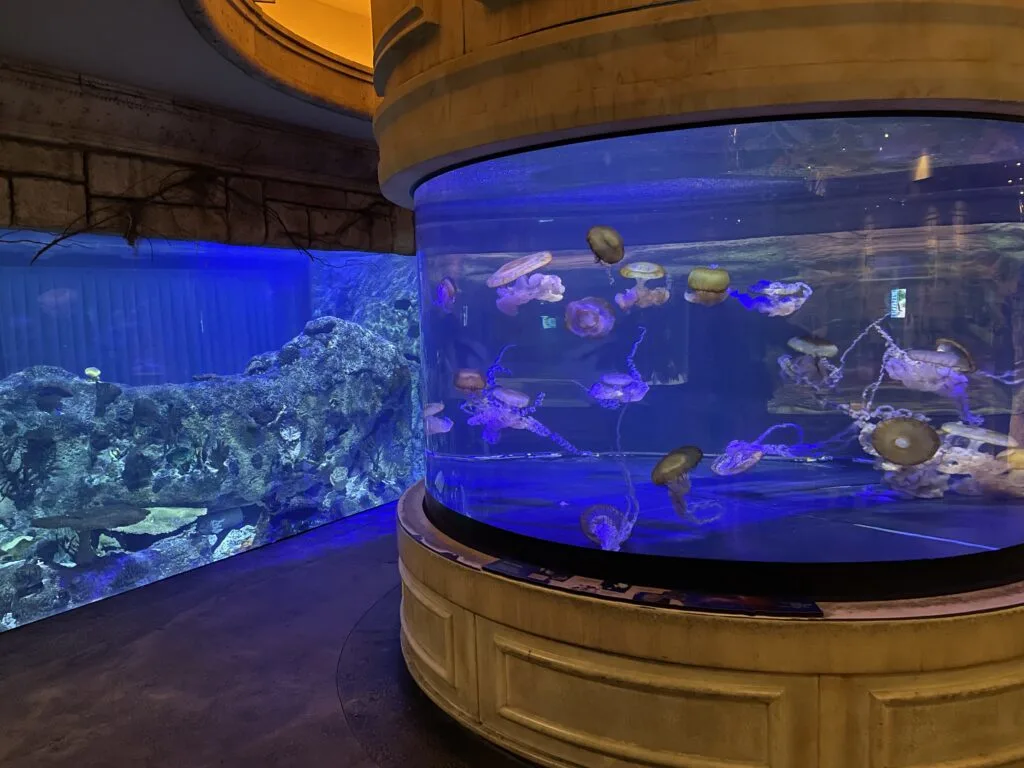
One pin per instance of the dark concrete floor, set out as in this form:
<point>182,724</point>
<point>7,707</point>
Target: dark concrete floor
<point>285,656</point>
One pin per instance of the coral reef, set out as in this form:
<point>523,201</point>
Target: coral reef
<point>104,488</point>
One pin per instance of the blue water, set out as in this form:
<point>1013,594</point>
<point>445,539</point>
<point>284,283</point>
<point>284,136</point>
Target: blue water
<point>161,312</point>
<point>167,404</point>
<point>902,231</point>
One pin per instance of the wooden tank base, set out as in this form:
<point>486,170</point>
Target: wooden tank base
<point>568,679</point>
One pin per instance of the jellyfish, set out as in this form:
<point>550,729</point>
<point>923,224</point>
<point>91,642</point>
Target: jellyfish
<point>614,390</point>
<point>529,288</point>
<point>495,408</point>
<point>433,421</point>
<point>940,371</point>
<point>606,245</point>
<point>707,286</point>
<point>774,299</point>
<point>444,295</point>
<point>590,317</point>
<point>905,441</point>
<point>739,455</point>
<point>673,472</point>
<point>811,367</point>
<point>469,381</point>
<point>513,270</point>
<point>640,295</point>
<point>606,526</point>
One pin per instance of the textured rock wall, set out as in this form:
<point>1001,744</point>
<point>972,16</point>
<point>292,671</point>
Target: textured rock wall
<point>104,488</point>
<point>379,292</point>
<point>86,155</point>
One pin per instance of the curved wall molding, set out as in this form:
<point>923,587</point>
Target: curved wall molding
<point>275,55</point>
<point>496,77</point>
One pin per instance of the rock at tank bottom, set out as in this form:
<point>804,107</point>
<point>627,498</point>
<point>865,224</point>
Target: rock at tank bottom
<point>104,487</point>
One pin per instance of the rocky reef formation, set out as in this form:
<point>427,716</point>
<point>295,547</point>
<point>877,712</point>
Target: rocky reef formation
<point>380,292</point>
<point>104,488</point>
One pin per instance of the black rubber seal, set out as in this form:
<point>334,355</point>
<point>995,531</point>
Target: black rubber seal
<point>847,581</point>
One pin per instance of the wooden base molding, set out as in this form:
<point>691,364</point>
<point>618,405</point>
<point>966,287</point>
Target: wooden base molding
<point>570,680</point>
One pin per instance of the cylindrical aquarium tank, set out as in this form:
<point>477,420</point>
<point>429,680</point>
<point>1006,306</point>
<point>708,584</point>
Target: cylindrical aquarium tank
<point>777,357</point>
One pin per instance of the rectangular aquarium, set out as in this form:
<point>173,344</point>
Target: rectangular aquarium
<point>766,358</point>
<point>169,404</point>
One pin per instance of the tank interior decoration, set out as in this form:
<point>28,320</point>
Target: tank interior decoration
<point>172,404</point>
<point>784,342</point>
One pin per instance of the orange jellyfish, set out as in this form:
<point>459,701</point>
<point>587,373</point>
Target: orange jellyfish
<point>707,286</point>
<point>606,245</point>
<point>640,295</point>
<point>905,441</point>
<point>511,271</point>
<point>673,472</point>
<point>469,381</point>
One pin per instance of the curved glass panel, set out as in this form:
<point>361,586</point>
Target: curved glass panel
<point>808,353</point>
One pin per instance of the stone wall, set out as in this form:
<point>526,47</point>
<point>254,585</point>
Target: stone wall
<point>78,155</point>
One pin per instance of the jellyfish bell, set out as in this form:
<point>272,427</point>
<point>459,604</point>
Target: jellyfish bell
<point>738,457</point>
<point>676,464</point>
<point>444,295</point>
<point>433,422</point>
<point>935,357</point>
<point>469,381</point>
<point>905,441</point>
<point>642,271</point>
<point>606,245</point>
<point>775,299</point>
<point>513,398</point>
<point>640,295</point>
<point>618,380</point>
<point>813,346</point>
<point>673,473</point>
<point>964,363</point>
<point>605,525</point>
<point>590,317</point>
<point>707,286</point>
<point>511,271</point>
<point>705,298</point>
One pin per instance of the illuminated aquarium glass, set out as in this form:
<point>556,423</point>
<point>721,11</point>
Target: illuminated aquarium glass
<point>167,404</point>
<point>762,357</point>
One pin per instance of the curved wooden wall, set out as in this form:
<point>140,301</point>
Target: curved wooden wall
<point>271,52</point>
<point>487,76</point>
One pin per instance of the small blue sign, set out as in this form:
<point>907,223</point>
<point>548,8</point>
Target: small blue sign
<point>898,302</point>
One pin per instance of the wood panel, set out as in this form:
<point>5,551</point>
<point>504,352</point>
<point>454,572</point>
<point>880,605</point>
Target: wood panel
<point>411,37</point>
<point>591,708</point>
<point>493,21</point>
<point>439,639</point>
<point>967,718</point>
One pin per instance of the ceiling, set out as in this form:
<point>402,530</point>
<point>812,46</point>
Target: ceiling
<point>152,44</point>
<point>339,26</point>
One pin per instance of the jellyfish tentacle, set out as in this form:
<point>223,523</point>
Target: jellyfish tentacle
<point>786,425</point>
<point>630,366</point>
<point>1011,378</point>
<point>497,368</point>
